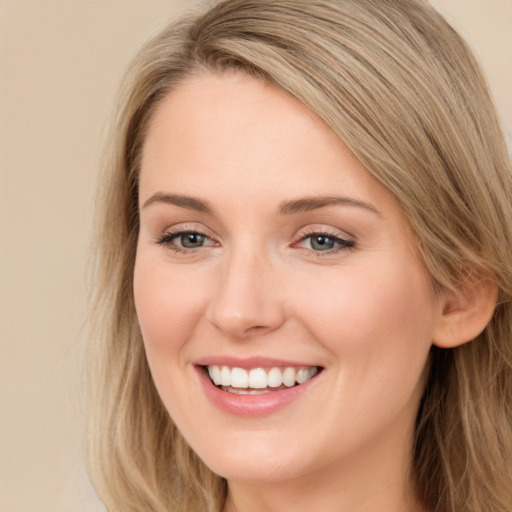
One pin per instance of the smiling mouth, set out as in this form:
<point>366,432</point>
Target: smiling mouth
<point>257,381</point>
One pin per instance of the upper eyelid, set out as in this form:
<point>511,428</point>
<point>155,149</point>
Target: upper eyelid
<point>344,240</point>
<point>324,230</point>
<point>188,227</point>
<point>173,234</point>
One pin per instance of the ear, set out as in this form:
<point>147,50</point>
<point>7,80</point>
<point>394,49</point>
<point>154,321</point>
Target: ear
<point>465,311</point>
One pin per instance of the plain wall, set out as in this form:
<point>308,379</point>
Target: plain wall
<point>60,66</point>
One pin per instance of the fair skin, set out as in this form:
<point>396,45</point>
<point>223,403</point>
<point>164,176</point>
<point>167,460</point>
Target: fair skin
<point>263,238</point>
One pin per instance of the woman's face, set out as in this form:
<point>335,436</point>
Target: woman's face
<point>269,257</point>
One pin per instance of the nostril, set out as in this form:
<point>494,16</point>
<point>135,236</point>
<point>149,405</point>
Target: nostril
<point>257,328</point>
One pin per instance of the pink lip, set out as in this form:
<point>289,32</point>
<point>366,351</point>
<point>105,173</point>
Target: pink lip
<point>252,405</point>
<point>250,362</point>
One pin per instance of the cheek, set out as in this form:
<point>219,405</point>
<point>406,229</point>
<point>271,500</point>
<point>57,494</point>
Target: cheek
<point>378,328</point>
<point>386,312</point>
<point>169,304</point>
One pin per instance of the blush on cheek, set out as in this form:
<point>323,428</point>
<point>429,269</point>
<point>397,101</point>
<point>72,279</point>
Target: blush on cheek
<point>369,309</point>
<point>168,305</point>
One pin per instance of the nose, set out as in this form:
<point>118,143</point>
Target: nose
<point>247,299</point>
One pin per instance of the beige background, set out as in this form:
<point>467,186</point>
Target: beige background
<point>60,65</point>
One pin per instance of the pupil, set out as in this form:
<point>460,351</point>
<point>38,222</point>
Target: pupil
<point>192,240</point>
<point>322,243</point>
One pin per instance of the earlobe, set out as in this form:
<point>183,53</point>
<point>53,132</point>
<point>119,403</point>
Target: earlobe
<point>465,311</point>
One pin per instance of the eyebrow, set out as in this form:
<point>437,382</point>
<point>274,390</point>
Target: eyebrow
<point>307,204</point>
<point>294,206</point>
<point>190,203</point>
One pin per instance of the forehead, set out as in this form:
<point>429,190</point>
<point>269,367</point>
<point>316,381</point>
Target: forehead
<point>233,137</point>
<point>227,113</point>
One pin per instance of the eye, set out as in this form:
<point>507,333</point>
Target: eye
<point>321,242</point>
<point>184,241</point>
<point>190,240</point>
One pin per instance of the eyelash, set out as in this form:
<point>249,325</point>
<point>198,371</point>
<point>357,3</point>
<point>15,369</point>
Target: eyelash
<point>166,239</point>
<point>342,243</point>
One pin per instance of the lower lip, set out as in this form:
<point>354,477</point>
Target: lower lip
<point>252,405</point>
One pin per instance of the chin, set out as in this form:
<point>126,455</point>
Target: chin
<point>259,461</point>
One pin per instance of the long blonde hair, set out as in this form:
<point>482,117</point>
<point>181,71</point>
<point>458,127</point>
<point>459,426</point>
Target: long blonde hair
<point>395,82</point>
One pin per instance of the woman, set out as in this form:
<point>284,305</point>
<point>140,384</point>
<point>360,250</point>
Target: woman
<point>303,283</point>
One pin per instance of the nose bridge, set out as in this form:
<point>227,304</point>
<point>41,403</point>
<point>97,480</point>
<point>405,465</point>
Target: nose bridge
<point>246,300</point>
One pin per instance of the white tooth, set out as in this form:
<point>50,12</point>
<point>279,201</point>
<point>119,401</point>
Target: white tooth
<point>258,378</point>
<point>225,376</point>
<point>274,378</point>
<point>237,391</point>
<point>289,377</point>
<point>302,376</point>
<point>214,372</point>
<point>239,378</point>
<point>312,372</point>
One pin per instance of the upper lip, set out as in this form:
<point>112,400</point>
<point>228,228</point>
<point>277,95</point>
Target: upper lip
<point>251,362</point>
